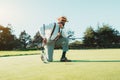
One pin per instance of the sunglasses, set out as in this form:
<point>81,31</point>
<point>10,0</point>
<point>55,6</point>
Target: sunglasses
<point>63,23</point>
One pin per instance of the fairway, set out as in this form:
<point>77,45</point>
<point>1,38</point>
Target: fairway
<point>99,64</point>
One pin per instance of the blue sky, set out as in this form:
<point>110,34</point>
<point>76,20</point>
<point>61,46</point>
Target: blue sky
<point>29,15</point>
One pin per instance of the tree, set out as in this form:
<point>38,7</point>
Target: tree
<point>75,45</point>
<point>89,37</point>
<point>105,36</point>
<point>7,39</point>
<point>25,39</point>
<point>37,40</point>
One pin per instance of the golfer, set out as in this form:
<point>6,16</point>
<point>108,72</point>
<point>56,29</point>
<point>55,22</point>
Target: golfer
<point>54,35</point>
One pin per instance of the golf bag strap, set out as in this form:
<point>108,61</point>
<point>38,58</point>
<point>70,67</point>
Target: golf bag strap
<point>53,30</point>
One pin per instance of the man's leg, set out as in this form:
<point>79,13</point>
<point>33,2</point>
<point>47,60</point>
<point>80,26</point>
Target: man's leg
<point>49,47</point>
<point>43,56</point>
<point>64,43</point>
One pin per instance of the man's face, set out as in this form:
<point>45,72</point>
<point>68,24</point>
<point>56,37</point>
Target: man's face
<point>61,24</point>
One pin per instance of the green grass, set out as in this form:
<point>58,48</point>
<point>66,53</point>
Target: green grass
<point>18,53</point>
<point>103,64</point>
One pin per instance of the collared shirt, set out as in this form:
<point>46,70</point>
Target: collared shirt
<point>47,30</point>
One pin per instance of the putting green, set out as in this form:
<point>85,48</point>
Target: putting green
<point>101,64</point>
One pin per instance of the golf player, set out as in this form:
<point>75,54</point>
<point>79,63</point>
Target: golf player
<point>54,35</point>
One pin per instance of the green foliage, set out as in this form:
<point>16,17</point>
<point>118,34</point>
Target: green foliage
<point>8,41</point>
<point>75,45</point>
<point>25,39</point>
<point>37,40</point>
<point>104,37</point>
<point>89,37</point>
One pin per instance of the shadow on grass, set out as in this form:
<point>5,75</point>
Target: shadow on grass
<point>92,61</point>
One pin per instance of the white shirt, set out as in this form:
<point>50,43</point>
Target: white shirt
<point>48,31</point>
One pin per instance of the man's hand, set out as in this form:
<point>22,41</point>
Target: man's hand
<point>44,40</point>
<point>58,34</point>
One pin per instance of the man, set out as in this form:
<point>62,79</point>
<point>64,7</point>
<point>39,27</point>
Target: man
<point>54,34</point>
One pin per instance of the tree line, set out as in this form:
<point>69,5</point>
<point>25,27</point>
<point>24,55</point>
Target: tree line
<point>103,37</point>
<point>9,41</point>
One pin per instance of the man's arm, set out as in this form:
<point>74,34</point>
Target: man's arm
<point>42,31</point>
<point>64,33</point>
<point>45,31</point>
